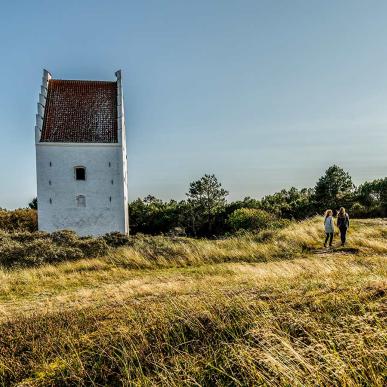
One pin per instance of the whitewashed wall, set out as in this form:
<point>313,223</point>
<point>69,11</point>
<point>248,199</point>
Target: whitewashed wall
<point>101,215</point>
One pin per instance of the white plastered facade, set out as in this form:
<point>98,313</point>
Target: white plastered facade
<point>104,206</point>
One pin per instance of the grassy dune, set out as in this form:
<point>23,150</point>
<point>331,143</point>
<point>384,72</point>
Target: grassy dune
<point>271,309</point>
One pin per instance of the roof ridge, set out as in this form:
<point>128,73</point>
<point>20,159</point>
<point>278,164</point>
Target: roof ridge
<point>80,80</point>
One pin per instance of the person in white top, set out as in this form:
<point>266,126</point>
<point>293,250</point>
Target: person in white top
<point>329,227</point>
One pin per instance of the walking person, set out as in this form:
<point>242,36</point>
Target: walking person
<point>329,227</point>
<point>343,224</point>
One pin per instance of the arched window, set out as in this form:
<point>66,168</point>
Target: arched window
<point>81,201</point>
<point>80,173</point>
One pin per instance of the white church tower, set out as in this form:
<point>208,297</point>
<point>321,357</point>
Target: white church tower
<point>81,158</point>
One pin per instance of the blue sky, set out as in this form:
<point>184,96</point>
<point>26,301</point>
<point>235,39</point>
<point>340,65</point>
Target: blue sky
<point>265,94</point>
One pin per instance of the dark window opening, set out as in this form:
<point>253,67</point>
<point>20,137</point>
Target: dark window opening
<point>80,173</point>
<point>110,164</point>
<point>110,199</point>
<point>112,182</point>
<point>50,201</point>
<point>50,164</point>
<point>49,182</point>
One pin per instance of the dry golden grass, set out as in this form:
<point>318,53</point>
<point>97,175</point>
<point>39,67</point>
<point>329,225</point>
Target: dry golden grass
<point>270,309</point>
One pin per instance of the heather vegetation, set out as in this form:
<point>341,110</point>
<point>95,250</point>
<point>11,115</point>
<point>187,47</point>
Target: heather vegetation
<point>18,220</point>
<point>23,248</point>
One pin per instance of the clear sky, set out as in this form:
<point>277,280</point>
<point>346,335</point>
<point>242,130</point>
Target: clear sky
<point>265,94</point>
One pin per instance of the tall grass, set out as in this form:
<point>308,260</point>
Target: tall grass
<point>269,309</point>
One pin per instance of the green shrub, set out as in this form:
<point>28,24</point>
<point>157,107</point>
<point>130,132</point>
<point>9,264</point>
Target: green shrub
<point>89,246</point>
<point>33,250</point>
<point>42,251</point>
<point>26,236</point>
<point>93,247</point>
<point>251,219</point>
<point>358,210</point>
<point>64,237</point>
<point>116,239</point>
<point>9,250</point>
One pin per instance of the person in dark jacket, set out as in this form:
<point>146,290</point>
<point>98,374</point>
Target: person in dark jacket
<point>343,224</point>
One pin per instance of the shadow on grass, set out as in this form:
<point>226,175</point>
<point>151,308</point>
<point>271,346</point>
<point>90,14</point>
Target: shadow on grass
<point>335,250</point>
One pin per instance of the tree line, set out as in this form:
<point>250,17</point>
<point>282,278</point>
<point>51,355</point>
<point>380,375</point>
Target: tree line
<point>206,211</point>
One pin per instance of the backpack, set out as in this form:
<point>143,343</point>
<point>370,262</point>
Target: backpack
<point>343,221</point>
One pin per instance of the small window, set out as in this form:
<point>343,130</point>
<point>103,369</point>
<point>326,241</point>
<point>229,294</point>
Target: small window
<point>50,164</point>
<point>50,201</point>
<point>81,201</point>
<point>80,173</point>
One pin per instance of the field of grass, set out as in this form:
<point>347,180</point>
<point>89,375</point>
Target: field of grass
<point>267,309</point>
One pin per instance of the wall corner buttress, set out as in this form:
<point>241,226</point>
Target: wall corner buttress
<point>122,140</point>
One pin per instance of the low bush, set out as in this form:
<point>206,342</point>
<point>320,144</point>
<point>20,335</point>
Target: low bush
<point>116,239</point>
<point>252,219</point>
<point>23,219</point>
<point>93,247</point>
<point>23,249</point>
<point>64,237</point>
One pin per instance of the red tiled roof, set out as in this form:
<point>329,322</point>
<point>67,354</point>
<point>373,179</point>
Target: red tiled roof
<point>80,111</point>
